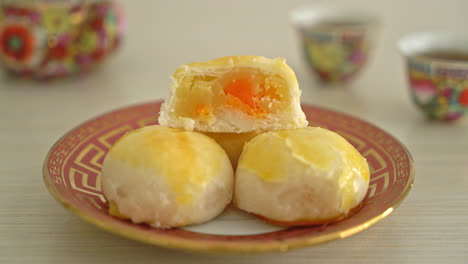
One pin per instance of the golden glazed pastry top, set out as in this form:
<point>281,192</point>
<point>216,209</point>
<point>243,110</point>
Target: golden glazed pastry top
<point>274,156</point>
<point>153,148</point>
<point>166,177</point>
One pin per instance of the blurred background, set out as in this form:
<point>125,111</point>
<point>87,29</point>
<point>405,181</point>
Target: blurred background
<point>165,34</point>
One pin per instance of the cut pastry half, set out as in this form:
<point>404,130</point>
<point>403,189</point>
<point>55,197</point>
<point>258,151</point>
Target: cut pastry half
<point>234,94</point>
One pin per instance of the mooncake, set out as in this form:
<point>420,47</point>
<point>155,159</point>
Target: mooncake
<point>304,176</point>
<point>167,177</point>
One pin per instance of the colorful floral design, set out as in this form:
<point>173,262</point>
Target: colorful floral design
<point>442,97</point>
<point>463,98</point>
<point>424,91</point>
<point>59,47</point>
<point>327,57</point>
<point>56,20</point>
<point>58,40</point>
<point>32,16</point>
<point>336,58</point>
<point>88,41</point>
<point>19,44</point>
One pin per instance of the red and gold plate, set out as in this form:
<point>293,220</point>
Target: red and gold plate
<point>72,175</point>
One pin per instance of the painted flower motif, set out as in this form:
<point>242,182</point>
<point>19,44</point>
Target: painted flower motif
<point>59,47</point>
<point>337,60</point>
<point>98,54</point>
<point>446,92</point>
<point>463,98</point>
<point>57,41</point>
<point>17,42</point>
<point>97,24</point>
<point>100,10</point>
<point>441,100</point>
<point>88,41</point>
<point>21,44</point>
<point>438,111</point>
<point>77,14</point>
<point>35,17</point>
<point>56,21</point>
<point>327,57</point>
<point>424,90</point>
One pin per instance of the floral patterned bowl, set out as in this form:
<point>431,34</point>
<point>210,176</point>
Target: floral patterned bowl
<point>336,42</point>
<point>46,39</point>
<point>438,82</point>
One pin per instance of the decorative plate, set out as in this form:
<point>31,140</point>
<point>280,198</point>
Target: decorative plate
<point>72,175</point>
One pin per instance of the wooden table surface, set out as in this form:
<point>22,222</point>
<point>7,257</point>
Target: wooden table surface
<point>431,226</point>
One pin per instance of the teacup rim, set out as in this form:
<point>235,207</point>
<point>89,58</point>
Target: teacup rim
<point>411,45</point>
<point>316,13</point>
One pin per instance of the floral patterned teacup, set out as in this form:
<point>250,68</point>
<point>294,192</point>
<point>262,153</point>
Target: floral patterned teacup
<point>335,41</point>
<point>437,66</point>
<point>46,39</point>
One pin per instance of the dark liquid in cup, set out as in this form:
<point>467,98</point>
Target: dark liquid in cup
<point>445,55</point>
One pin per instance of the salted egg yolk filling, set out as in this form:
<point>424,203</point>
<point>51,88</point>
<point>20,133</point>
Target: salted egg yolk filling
<point>244,89</point>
